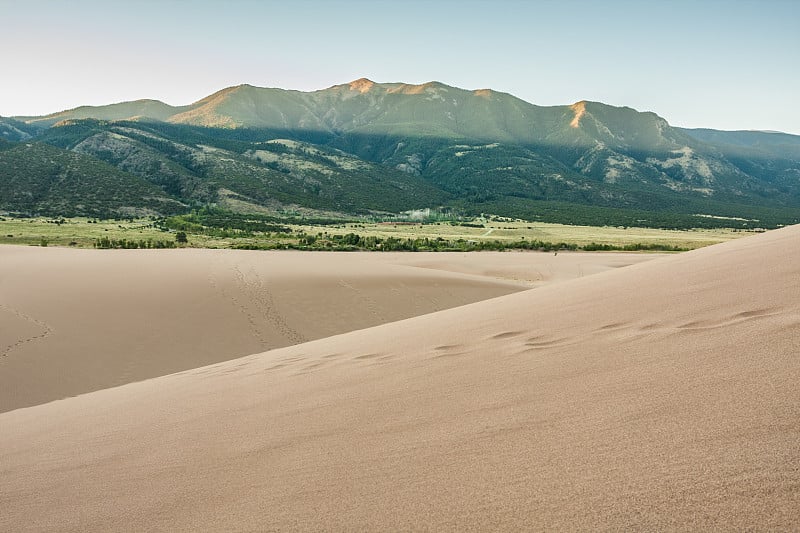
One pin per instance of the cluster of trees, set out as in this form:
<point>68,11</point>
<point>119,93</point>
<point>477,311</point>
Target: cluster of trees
<point>219,223</point>
<point>105,243</point>
<point>588,215</point>
<point>353,241</point>
<point>636,247</point>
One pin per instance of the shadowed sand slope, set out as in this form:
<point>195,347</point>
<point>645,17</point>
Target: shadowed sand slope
<point>73,321</point>
<point>665,395</point>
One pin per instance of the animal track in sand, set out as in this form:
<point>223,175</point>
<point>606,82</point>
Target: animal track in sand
<point>47,330</point>
<point>258,293</point>
<point>368,302</point>
<point>239,305</point>
<point>255,301</point>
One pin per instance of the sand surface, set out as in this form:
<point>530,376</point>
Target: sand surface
<point>74,321</point>
<point>661,396</point>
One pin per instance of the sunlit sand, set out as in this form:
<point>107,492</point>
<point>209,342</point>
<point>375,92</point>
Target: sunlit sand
<point>663,395</point>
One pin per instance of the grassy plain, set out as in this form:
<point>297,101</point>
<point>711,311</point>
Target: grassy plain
<point>514,231</point>
<point>84,233</point>
<point>76,232</point>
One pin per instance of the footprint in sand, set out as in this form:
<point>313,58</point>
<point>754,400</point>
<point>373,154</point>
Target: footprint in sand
<point>612,327</point>
<point>448,347</point>
<point>367,356</point>
<point>506,335</point>
<point>449,350</point>
<point>539,342</point>
<point>698,325</point>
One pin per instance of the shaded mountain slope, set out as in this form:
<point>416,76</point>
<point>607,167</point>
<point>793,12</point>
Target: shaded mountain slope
<point>39,178</point>
<point>480,148</point>
<point>772,157</point>
<point>195,166</point>
<point>13,130</point>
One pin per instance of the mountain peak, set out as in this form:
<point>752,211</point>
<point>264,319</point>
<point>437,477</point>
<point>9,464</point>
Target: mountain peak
<point>361,85</point>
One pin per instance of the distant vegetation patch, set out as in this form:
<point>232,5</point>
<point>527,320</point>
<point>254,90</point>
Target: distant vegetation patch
<point>216,228</point>
<point>224,224</point>
<point>105,243</point>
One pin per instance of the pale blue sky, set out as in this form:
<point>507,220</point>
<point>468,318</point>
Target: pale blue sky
<point>718,64</point>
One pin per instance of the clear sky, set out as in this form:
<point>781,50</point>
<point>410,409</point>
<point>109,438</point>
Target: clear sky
<point>718,64</point>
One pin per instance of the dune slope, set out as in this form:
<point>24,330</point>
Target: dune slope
<point>660,396</point>
<point>74,321</point>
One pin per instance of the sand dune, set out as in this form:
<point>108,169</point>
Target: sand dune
<point>537,270</point>
<point>73,321</point>
<point>665,395</point>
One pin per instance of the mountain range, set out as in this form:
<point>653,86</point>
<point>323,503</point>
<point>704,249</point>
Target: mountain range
<point>366,147</point>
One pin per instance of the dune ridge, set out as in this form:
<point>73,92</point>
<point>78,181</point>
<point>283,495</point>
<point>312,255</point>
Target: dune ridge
<point>664,395</point>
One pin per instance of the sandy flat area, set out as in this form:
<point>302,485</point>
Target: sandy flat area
<point>660,396</point>
<point>73,321</point>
